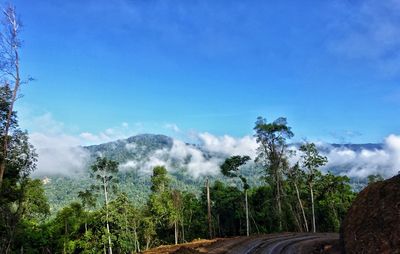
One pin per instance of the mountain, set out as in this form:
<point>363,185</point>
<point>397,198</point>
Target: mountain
<point>133,148</point>
<point>188,164</point>
<point>137,156</point>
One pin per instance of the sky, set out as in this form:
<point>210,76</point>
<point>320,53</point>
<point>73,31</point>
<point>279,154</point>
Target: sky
<point>108,69</point>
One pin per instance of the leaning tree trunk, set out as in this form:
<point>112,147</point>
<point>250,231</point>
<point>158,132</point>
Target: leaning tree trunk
<point>301,206</point>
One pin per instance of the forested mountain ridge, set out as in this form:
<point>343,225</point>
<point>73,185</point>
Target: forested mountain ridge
<point>136,147</point>
<point>135,153</point>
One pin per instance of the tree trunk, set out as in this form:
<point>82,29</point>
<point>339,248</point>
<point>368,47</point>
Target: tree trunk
<point>247,214</point>
<point>312,207</point>
<point>278,199</point>
<point>137,245</point>
<point>13,41</point>
<point>296,218</point>
<point>301,207</point>
<point>209,209</point>
<point>254,221</point>
<point>183,230</point>
<point>107,224</point>
<point>65,235</point>
<point>176,232</point>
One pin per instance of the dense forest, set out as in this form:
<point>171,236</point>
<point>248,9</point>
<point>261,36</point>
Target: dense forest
<point>292,197</point>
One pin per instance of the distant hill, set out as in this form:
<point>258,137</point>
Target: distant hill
<point>134,148</point>
<point>359,147</point>
<point>138,154</point>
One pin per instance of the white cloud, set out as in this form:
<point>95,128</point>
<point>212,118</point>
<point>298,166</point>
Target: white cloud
<point>229,145</point>
<point>197,163</point>
<point>385,161</point>
<point>58,154</point>
<point>61,153</point>
<point>108,135</point>
<point>131,146</point>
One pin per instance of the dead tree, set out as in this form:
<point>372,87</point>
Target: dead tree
<point>10,44</point>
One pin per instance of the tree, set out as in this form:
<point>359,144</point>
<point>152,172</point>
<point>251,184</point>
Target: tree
<point>20,162</point>
<point>66,226</point>
<point>103,171</point>
<point>34,209</point>
<point>272,155</point>
<point>295,175</point>
<point>161,204</point>
<point>226,209</point>
<point>88,200</point>
<point>230,168</point>
<point>312,160</point>
<point>10,45</point>
<point>334,196</point>
<point>34,203</point>
<point>159,179</point>
<point>126,222</point>
<point>209,219</point>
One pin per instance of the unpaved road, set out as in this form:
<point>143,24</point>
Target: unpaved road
<point>286,243</point>
<point>276,244</point>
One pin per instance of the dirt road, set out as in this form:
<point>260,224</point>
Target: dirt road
<point>287,243</point>
<point>276,244</point>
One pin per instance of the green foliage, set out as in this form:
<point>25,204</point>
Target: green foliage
<point>163,208</point>
<point>159,179</point>
<point>311,159</point>
<point>374,178</point>
<point>272,155</point>
<point>230,168</point>
<point>333,198</point>
<point>227,209</point>
<point>34,203</point>
<point>20,197</point>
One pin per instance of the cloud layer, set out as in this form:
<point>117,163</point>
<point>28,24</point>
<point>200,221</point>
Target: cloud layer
<point>385,162</point>
<point>60,153</point>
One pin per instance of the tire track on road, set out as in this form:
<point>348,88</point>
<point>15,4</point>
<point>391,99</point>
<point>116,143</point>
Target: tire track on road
<point>286,243</point>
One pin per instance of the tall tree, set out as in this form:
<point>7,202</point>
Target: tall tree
<point>159,179</point>
<point>312,160</point>
<point>272,155</point>
<point>295,175</point>
<point>210,234</point>
<point>88,200</point>
<point>10,44</point>
<point>163,205</point>
<point>104,170</point>
<point>125,220</point>
<point>230,168</point>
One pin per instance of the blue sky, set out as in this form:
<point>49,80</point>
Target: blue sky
<point>331,67</point>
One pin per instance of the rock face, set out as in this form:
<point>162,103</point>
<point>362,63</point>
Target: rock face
<point>372,224</point>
